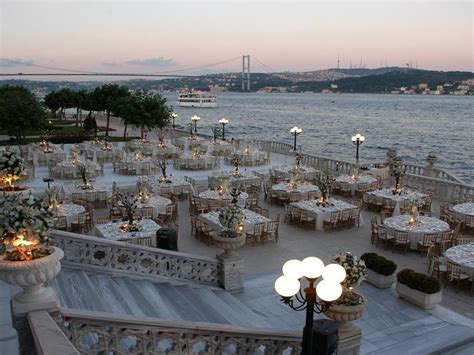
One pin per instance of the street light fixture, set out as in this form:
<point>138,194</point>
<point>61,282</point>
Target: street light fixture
<point>296,131</point>
<point>315,299</point>
<point>223,122</point>
<point>173,117</point>
<point>358,139</point>
<point>195,119</point>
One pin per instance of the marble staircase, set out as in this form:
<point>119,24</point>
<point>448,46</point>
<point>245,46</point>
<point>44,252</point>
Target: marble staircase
<point>95,291</point>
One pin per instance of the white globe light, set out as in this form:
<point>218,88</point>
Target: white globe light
<point>334,272</point>
<point>312,267</point>
<point>328,290</point>
<point>293,268</point>
<point>287,286</point>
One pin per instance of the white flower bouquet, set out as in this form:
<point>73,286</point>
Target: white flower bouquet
<point>355,269</point>
<point>25,222</point>
<point>12,167</point>
<point>230,216</point>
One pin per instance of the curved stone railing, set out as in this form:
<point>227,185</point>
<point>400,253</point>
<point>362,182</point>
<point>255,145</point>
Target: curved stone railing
<point>436,173</point>
<point>119,257</point>
<point>103,333</point>
<point>441,189</point>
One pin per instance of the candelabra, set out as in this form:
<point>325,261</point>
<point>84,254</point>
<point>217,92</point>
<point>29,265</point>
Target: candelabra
<point>295,131</point>
<point>223,122</point>
<point>358,139</point>
<point>195,119</point>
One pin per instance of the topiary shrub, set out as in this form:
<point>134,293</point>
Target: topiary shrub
<point>379,264</point>
<point>419,281</point>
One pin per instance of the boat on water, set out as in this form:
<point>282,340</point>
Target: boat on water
<point>196,99</point>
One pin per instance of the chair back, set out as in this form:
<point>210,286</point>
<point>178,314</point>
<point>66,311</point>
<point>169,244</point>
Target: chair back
<point>454,270</point>
<point>429,238</point>
<point>258,228</point>
<point>60,222</point>
<point>401,236</point>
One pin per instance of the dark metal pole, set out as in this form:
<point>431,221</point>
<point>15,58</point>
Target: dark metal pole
<point>310,293</point>
<point>294,143</point>
<point>195,126</point>
<point>173,122</point>
<point>357,151</point>
<point>223,131</point>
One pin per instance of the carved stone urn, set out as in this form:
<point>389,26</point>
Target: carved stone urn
<point>229,244</point>
<point>31,275</point>
<point>345,314</point>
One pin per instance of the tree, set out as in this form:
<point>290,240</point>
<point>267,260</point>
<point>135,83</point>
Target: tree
<point>104,97</point>
<point>20,111</point>
<point>127,108</point>
<point>154,113</point>
<point>79,99</point>
<point>61,99</point>
<point>52,101</point>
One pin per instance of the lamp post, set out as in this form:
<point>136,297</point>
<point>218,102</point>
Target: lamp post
<point>358,139</point>
<point>173,117</point>
<point>316,299</point>
<point>223,122</point>
<point>195,119</point>
<point>296,131</point>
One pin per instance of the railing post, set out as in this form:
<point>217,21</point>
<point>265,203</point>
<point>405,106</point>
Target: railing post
<point>430,170</point>
<point>232,273</point>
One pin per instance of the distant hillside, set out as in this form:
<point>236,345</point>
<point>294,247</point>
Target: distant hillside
<point>374,71</point>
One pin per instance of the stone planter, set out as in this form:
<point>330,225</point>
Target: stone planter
<point>379,280</point>
<point>420,299</point>
<point>31,275</point>
<point>25,191</point>
<point>346,314</point>
<point>229,245</point>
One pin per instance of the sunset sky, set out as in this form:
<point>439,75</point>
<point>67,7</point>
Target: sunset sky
<point>106,36</point>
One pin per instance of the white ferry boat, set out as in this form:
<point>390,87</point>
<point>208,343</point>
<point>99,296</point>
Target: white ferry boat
<point>196,99</point>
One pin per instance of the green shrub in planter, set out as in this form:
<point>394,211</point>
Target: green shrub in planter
<point>379,264</point>
<point>418,281</point>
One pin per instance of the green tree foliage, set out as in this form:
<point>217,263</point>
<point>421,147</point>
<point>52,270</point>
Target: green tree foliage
<point>79,99</point>
<point>20,111</point>
<point>60,100</point>
<point>128,109</point>
<point>103,98</point>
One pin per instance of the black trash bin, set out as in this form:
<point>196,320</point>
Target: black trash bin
<point>325,337</point>
<point>167,238</point>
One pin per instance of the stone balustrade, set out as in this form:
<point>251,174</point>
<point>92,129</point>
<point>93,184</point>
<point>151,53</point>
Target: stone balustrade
<point>97,253</point>
<point>106,333</point>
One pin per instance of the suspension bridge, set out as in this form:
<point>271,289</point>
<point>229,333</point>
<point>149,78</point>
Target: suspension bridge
<point>176,73</point>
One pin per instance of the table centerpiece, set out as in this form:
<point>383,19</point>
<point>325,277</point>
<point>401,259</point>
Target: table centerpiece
<point>398,173</point>
<point>236,162</point>
<point>324,184</point>
<point>129,204</point>
<point>82,170</point>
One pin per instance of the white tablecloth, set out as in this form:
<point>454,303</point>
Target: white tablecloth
<point>303,173</point>
<point>415,232</point>
<point>202,162</point>
<point>321,213</point>
<point>462,255</point>
<point>464,209</point>
<point>112,231</point>
<point>69,188</point>
<point>245,179</point>
<point>70,211</point>
<point>355,183</point>
<point>399,199</point>
<point>67,167</point>
<point>212,218</point>
<point>175,186</point>
<point>158,203</point>
<point>214,195</point>
<point>303,187</point>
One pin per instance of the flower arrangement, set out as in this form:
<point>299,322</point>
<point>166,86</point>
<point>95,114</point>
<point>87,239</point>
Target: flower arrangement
<point>82,170</point>
<point>163,164</point>
<point>298,160</point>
<point>25,222</point>
<point>231,216</point>
<point>129,203</point>
<point>12,168</point>
<point>324,184</point>
<point>355,274</point>
<point>398,173</point>
<point>53,193</point>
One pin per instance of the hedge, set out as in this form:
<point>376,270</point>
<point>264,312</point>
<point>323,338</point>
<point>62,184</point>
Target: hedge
<point>379,264</point>
<point>419,281</point>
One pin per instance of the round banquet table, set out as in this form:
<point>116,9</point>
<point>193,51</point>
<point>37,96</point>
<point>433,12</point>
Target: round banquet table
<point>70,211</point>
<point>415,232</point>
<point>355,183</point>
<point>404,197</point>
<point>464,209</point>
<point>302,187</point>
<point>462,255</point>
<point>214,195</point>
<point>158,203</point>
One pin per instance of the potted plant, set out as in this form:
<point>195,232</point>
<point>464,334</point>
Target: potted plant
<point>380,271</point>
<point>26,259</point>
<point>12,168</point>
<point>230,217</point>
<point>419,289</point>
<point>351,305</point>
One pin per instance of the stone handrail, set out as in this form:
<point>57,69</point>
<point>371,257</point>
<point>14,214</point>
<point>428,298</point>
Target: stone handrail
<point>118,257</point>
<point>438,173</point>
<point>104,333</point>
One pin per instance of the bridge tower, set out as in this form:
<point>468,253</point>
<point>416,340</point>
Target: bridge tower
<point>246,73</point>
